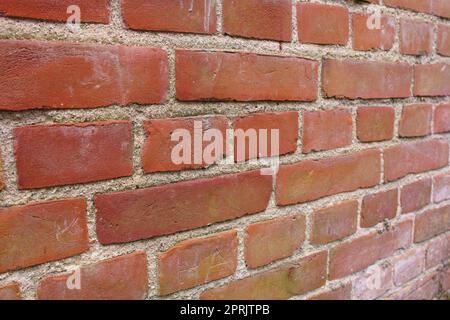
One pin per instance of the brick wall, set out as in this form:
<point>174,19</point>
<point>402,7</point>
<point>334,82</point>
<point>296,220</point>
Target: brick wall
<point>360,206</point>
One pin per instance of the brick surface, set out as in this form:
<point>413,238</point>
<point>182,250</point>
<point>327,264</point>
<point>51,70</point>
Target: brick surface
<point>416,195</point>
<point>443,40</point>
<point>56,230</point>
<point>416,120</point>
<point>373,38</point>
<point>378,207</point>
<point>432,80</point>
<point>437,251</point>
<point>274,239</point>
<point>258,19</point>
<point>310,180</point>
<point>373,282</point>
<point>431,223</point>
<point>416,37</point>
<point>10,291</point>
<point>375,123</point>
<point>406,158</point>
<point>442,118</point>
<point>130,215</point>
<point>441,187</point>
<point>197,261</point>
<point>120,278</point>
<point>408,265</point>
<point>334,222</point>
<point>195,16</point>
<point>60,154</point>
<point>91,10</point>
<point>354,79</point>
<point>296,278</point>
<point>326,130</point>
<point>322,24</point>
<point>244,77</point>
<point>99,75</point>
<point>341,293</point>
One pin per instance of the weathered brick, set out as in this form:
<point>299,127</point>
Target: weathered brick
<point>416,37</point>
<point>10,291</point>
<point>158,147</point>
<point>408,265</point>
<point>416,120</point>
<point>441,187</point>
<point>432,80</point>
<point>197,261</point>
<point>424,288</point>
<point>244,77</point>
<point>285,122</point>
<point>378,207</point>
<point>130,215</point>
<point>442,118</point>
<point>313,179</point>
<point>195,16</point>
<point>375,123</point>
<point>355,79</point>
<point>60,154</point>
<point>407,158</point>
<point>441,8</point>
<point>322,24</point>
<point>334,222</point>
<point>365,39</point>
<point>416,195</point>
<point>431,223</point>
<point>296,278</point>
<point>341,293</point>
<point>275,239</point>
<point>91,10</point>
<point>357,254</point>
<point>438,251</point>
<point>258,19</point>
<point>120,278</point>
<point>99,75</point>
<point>41,232</point>
<point>373,282</point>
<point>443,39</point>
<point>326,130</point>
<point>415,5</point>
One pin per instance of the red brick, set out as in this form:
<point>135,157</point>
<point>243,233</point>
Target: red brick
<point>197,261</point>
<point>441,187</point>
<point>373,282</point>
<point>326,130</point>
<point>375,123</point>
<point>41,232</point>
<point>10,291</point>
<point>432,80</point>
<point>416,120</point>
<point>442,118</point>
<point>355,79</point>
<point>416,37</point>
<point>443,38</point>
<point>285,122</point>
<point>99,75</point>
<point>194,16</point>
<point>158,147</point>
<point>408,265</point>
<point>445,279</point>
<point>258,19</point>
<point>120,278</point>
<point>366,39</point>
<point>424,288</point>
<point>357,254</point>
<point>313,179</point>
<point>431,223</point>
<point>130,215</point>
<point>416,195</point>
<point>322,24</point>
<point>334,222</point>
<point>244,77</point>
<point>378,207</point>
<point>415,5</point>
<point>441,8</point>
<point>408,158</point>
<point>91,10</point>
<point>438,251</point>
<point>60,154</point>
<point>275,239</point>
<point>341,293</point>
<point>296,278</point>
